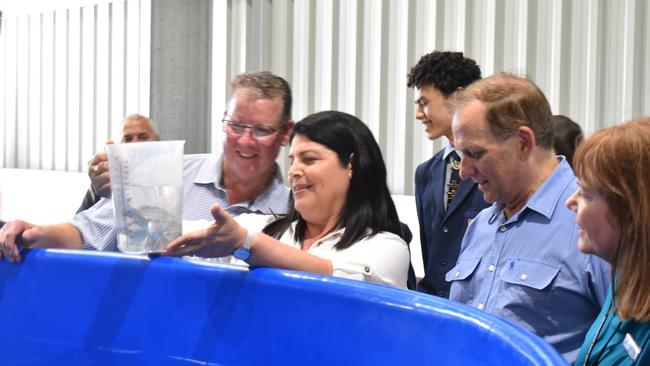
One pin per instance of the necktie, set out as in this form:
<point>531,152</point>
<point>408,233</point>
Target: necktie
<point>454,178</point>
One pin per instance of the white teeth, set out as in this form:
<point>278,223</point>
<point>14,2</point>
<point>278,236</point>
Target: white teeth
<point>299,187</point>
<point>243,155</point>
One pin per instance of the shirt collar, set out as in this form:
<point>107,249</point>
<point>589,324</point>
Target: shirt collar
<point>544,200</point>
<point>447,150</point>
<point>275,196</point>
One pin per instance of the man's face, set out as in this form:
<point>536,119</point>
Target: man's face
<point>491,162</point>
<point>137,130</point>
<point>430,109</point>
<point>248,156</point>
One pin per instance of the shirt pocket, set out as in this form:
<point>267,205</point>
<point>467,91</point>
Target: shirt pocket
<point>527,273</point>
<point>463,269</point>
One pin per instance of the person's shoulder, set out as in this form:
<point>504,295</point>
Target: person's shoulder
<point>426,166</point>
<point>435,158</point>
<point>387,237</point>
<point>197,158</point>
<point>565,177</point>
<point>194,162</point>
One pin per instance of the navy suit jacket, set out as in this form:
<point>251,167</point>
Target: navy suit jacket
<point>441,232</point>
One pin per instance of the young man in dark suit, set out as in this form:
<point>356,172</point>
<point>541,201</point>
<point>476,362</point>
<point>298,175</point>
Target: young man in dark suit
<point>445,203</point>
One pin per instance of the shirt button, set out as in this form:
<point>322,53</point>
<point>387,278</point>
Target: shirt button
<point>524,277</point>
<point>491,268</point>
<point>503,228</point>
<point>457,274</point>
<point>366,269</point>
<point>445,229</point>
<point>481,306</point>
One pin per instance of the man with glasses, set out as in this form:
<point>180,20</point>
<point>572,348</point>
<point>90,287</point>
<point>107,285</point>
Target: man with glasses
<point>245,178</point>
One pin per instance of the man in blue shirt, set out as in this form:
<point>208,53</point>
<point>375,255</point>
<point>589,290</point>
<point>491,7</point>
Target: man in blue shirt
<point>245,178</point>
<point>445,204</point>
<point>518,258</point>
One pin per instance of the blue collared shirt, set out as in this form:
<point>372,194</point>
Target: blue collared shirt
<point>202,188</point>
<point>528,268</point>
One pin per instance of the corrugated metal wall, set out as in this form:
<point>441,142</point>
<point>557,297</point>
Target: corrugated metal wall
<point>591,57</point>
<point>62,95</point>
<point>69,72</point>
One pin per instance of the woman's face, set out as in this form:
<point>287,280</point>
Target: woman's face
<point>598,230</point>
<point>318,181</point>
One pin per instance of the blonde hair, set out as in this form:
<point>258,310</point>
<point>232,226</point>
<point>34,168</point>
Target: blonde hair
<point>616,161</point>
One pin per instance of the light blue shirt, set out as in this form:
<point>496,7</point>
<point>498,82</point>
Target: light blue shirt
<point>528,269</point>
<point>202,188</point>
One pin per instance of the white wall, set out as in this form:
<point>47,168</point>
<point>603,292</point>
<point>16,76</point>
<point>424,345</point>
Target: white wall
<point>408,214</point>
<point>70,70</point>
<point>590,57</point>
<point>41,197</point>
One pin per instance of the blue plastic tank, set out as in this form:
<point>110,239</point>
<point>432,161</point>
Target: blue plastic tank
<point>61,307</point>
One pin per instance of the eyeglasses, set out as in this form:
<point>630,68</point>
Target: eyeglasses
<point>236,129</point>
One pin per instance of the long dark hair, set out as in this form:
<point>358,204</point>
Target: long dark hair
<point>369,207</point>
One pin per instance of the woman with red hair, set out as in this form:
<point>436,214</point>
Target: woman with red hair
<point>612,209</point>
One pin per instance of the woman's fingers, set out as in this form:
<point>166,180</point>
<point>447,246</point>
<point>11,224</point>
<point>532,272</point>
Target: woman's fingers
<point>185,244</point>
<point>220,215</point>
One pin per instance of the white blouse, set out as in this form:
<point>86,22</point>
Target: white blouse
<point>381,258</point>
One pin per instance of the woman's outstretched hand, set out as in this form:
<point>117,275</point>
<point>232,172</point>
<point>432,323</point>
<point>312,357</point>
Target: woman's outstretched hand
<point>219,239</point>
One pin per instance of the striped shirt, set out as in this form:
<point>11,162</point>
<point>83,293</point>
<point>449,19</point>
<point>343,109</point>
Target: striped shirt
<point>202,188</point>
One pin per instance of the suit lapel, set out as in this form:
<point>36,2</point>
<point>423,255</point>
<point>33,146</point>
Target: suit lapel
<point>439,170</point>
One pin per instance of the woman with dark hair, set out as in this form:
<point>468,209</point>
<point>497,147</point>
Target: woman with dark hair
<point>342,222</point>
<point>612,209</point>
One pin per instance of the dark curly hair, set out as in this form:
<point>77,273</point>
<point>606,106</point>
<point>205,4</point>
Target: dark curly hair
<point>446,71</point>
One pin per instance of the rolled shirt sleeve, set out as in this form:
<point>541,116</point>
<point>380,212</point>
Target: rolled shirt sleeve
<point>97,226</point>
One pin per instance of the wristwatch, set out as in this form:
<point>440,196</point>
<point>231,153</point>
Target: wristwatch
<point>244,252</point>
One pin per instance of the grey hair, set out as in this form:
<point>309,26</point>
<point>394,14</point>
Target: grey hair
<point>137,117</point>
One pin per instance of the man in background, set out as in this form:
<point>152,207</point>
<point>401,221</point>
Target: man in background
<point>445,203</point>
<point>135,128</point>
